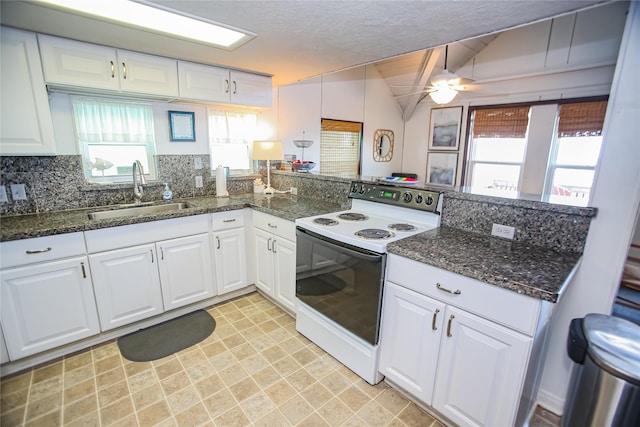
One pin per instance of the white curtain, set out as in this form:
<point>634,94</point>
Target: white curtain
<point>230,136</point>
<point>101,120</point>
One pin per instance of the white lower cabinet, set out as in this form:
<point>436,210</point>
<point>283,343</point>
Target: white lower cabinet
<point>230,250</point>
<point>481,367</point>
<point>275,252</point>
<point>186,275</point>
<point>46,305</point>
<point>434,344</point>
<point>127,285</point>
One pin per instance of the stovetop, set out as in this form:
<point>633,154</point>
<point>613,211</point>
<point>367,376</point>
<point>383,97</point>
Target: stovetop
<point>379,215</point>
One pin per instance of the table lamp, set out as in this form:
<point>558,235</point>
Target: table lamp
<point>268,150</point>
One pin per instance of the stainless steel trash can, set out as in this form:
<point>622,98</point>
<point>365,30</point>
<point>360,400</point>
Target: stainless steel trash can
<point>605,383</point>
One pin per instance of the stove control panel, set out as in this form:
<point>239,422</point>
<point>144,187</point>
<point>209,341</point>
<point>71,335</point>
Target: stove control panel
<point>415,198</point>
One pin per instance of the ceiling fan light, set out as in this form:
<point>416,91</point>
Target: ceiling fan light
<point>443,95</point>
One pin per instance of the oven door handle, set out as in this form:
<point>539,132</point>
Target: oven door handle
<point>342,247</point>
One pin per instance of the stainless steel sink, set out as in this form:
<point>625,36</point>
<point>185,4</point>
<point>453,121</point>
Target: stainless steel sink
<point>138,210</point>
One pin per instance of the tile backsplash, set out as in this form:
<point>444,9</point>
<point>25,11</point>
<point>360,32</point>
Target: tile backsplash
<point>57,183</point>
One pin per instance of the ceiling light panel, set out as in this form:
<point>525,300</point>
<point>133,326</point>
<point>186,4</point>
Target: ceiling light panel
<point>157,19</point>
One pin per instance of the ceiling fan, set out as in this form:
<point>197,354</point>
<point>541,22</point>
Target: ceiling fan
<point>444,86</point>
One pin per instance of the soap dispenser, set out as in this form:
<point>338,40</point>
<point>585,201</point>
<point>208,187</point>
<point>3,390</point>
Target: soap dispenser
<point>167,194</point>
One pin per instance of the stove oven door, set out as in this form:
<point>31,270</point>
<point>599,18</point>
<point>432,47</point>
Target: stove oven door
<point>342,282</point>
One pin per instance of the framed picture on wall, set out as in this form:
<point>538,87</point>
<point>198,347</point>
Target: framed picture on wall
<point>181,126</point>
<point>444,133</point>
<point>442,168</point>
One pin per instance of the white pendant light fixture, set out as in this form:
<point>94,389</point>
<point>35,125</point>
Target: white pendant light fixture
<point>444,85</point>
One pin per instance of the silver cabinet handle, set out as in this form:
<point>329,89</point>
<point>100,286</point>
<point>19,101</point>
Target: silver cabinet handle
<point>235,87</point>
<point>151,250</point>
<point>229,220</point>
<point>84,272</point>
<point>124,71</point>
<point>39,251</point>
<point>449,325</point>
<point>433,321</point>
<point>456,292</point>
<point>113,69</point>
<point>273,246</point>
<point>161,253</point>
<point>218,239</point>
<point>269,244</point>
<point>226,86</point>
<point>271,225</point>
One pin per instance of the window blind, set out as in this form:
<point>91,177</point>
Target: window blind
<point>581,118</point>
<point>340,147</point>
<point>508,122</point>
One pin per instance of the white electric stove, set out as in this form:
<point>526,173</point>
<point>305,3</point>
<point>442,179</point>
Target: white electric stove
<point>341,259</point>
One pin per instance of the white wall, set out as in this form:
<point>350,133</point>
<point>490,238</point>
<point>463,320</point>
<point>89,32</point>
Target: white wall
<point>616,194</point>
<point>359,94</point>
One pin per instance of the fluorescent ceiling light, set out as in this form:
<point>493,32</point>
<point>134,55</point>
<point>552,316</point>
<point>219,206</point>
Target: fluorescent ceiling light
<point>157,19</point>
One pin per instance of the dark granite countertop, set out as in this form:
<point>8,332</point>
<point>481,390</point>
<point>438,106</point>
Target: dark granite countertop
<point>529,270</point>
<point>285,206</point>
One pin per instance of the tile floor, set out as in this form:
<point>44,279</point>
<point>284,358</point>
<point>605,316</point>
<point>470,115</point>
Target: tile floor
<point>254,370</point>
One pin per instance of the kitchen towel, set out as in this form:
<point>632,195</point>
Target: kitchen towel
<point>221,182</point>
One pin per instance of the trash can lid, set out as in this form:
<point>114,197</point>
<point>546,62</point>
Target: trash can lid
<point>614,345</point>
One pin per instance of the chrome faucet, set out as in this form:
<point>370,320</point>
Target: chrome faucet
<point>137,186</point>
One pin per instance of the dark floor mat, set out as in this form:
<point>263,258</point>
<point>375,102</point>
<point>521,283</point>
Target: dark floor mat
<point>162,340</point>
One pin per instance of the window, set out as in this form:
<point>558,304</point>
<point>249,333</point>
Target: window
<point>231,134</point>
<point>112,134</point>
<point>340,143</point>
<point>497,148</point>
<point>574,152</point>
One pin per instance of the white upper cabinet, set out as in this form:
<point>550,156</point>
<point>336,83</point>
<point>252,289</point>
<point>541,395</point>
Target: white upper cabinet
<point>207,83</point>
<point>78,64</point>
<point>26,126</point>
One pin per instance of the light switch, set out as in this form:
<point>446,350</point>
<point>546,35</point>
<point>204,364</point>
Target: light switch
<point>198,182</point>
<point>18,192</point>
<point>197,162</point>
<point>3,194</point>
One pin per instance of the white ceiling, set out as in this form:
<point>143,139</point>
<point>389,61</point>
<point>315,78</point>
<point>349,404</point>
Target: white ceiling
<point>302,39</point>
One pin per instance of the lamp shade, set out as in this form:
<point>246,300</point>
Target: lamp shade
<point>267,150</point>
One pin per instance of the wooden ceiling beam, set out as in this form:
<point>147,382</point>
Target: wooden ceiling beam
<point>421,81</point>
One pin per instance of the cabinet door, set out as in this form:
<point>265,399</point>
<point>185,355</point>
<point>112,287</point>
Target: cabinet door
<point>264,260</point>
<point>481,370</point>
<point>141,73</point>
<point>410,340</point>
<point>185,270</point>
<point>26,126</point>
<point>203,82</point>
<point>127,285</point>
<point>231,260</point>
<point>4,355</point>
<point>47,305</point>
<point>74,63</point>
<point>285,272</point>
<point>250,89</point>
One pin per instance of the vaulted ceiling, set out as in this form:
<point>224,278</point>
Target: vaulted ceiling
<point>302,39</point>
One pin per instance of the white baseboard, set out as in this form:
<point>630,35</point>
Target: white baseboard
<point>551,402</point>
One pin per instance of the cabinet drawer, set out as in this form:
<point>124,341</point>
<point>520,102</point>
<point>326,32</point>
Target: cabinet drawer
<point>39,249</point>
<point>229,219</point>
<point>503,306</point>
<point>278,226</point>
<point>136,234</point>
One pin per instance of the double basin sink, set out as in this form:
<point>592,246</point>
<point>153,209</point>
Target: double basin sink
<point>135,210</point>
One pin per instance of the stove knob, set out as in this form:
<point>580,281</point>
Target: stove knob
<point>429,200</point>
<point>419,198</point>
<point>361,189</point>
<point>407,197</point>
<point>354,189</point>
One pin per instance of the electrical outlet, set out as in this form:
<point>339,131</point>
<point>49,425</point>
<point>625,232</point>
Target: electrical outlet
<point>198,182</point>
<point>197,161</point>
<point>294,190</point>
<point>3,194</point>
<point>504,231</point>
<point>18,192</point>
